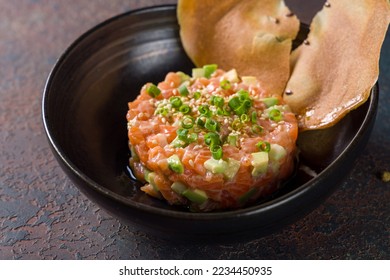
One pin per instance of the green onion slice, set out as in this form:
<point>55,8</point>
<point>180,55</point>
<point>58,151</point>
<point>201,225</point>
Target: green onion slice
<point>185,109</point>
<point>200,122</point>
<point>153,90</point>
<point>275,115</point>
<point>182,134</point>
<point>187,122</point>
<point>236,124</point>
<point>183,90</point>
<point>204,110</point>
<point>219,102</point>
<point>257,129</point>
<point>211,125</point>
<point>216,151</point>
<point>175,101</point>
<point>211,139</point>
<point>197,95</point>
<point>234,103</point>
<point>243,95</point>
<point>264,146</point>
<point>244,118</point>
<point>254,117</point>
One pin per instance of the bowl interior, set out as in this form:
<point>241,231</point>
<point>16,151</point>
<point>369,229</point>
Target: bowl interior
<point>86,96</point>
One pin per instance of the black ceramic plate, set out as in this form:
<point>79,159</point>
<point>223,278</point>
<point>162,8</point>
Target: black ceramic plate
<point>84,108</point>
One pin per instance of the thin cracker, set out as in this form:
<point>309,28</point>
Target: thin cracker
<point>252,36</point>
<point>339,64</point>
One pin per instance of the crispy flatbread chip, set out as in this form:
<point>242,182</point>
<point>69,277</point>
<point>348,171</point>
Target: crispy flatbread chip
<point>334,70</point>
<point>252,36</point>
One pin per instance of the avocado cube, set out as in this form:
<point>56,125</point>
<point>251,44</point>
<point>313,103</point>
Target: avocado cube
<point>260,163</point>
<point>196,195</point>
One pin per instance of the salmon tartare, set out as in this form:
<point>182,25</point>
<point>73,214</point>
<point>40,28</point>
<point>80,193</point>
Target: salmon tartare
<point>211,140</point>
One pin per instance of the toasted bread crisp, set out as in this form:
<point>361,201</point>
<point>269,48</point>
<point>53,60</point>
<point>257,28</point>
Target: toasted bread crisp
<point>252,36</point>
<point>338,64</point>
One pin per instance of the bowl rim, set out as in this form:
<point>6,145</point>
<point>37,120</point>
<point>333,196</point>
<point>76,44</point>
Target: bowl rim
<point>263,208</point>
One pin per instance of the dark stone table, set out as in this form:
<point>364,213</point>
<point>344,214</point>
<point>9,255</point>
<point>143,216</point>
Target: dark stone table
<point>44,216</point>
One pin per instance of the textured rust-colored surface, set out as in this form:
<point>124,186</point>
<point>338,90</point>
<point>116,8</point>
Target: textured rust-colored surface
<point>44,216</point>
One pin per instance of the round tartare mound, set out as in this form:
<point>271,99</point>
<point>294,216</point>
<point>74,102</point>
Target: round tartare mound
<point>210,141</point>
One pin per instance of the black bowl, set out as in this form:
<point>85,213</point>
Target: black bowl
<point>84,108</point>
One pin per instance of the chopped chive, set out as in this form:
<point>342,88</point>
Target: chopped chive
<point>178,143</point>
<point>257,129</point>
<point>236,124</point>
<point>193,137</point>
<point>175,101</point>
<point>187,122</point>
<point>197,95</point>
<point>264,146</point>
<point>216,151</point>
<point>225,84</point>
<point>218,101</point>
<point>212,138</point>
<point>226,109</point>
<point>153,90</point>
<point>247,104</point>
<point>240,104</point>
<point>243,95</point>
<point>223,112</point>
<point>240,110</point>
<point>275,115</point>
<point>212,99</point>
<point>254,117</point>
<point>183,90</point>
<point>182,134</point>
<point>244,118</point>
<point>199,122</point>
<point>234,103</point>
<point>185,109</point>
<point>204,110</point>
<point>211,125</point>
<point>164,111</point>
